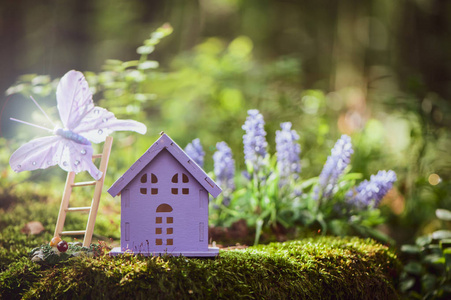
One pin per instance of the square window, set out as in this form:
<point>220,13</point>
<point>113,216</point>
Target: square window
<point>159,242</point>
<point>169,220</point>
<point>154,191</point>
<point>169,230</point>
<point>158,220</point>
<point>185,191</point>
<point>158,231</point>
<point>169,242</point>
<point>175,191</point>
<point>143,191</point>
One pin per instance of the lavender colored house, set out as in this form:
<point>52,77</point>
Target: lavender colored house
<point>164,203</point>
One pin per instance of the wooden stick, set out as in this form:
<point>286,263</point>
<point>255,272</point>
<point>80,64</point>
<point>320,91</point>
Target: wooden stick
<point>64,203</point>
<point>97,192</point>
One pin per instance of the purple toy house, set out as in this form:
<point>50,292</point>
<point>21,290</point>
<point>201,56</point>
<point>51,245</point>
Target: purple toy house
<point>164,203</point>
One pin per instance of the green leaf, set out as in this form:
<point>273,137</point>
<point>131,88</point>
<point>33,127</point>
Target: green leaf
<point>352,176</point>
<point>413,268</point>
<point>445,244</point>
<point>130,63</point>
<point>441,234</point>
<point>433,248</point>
<point>144,97</point>
<point>42,79</point>
<point>407,284</point>
<point>305,184</point>
<point>113,62</point>
<point>149,64</point>
<point>411,249</point>
<point>15,89</point>
<point>258,231</point>
<point>249,167</point>
<point>423,240</point>
<point>239,193</point>
<point>443,214</point>
<point>145,49</point>
<point>322,222</point>
<point>428,281</point>
<point>379,235</point>
<point>434,259</point>
<point>135,76</point>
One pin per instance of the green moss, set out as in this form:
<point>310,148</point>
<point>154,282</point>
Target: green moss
<point>313,268</point>
<point>15,244</point>
<point>323,267</point>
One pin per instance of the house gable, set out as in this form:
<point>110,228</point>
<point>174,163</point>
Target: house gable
<point>165,142</point>
<point>163,178</point>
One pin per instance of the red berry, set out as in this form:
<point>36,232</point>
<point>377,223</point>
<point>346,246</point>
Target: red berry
<point>62,246</point>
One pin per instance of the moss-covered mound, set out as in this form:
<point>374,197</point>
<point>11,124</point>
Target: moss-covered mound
<point>317,268</point>
<point>47,255</point>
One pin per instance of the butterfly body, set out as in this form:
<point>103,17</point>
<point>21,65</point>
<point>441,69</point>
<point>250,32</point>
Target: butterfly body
<point>70,135</point>
<point>70,148</point>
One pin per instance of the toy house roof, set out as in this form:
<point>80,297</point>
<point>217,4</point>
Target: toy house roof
<point>165,142</point>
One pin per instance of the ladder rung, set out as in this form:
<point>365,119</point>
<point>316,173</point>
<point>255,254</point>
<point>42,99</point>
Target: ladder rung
<point>85,208</point>
<point>96,156</point>
<point>76,232</point>
<point>84,183</point>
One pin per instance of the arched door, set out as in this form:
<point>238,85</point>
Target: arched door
<point>164,226</point>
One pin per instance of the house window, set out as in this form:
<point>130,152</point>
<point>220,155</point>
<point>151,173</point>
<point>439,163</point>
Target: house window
<point>127,231</point>
<point>144,178</point>
<point>201,231</point>
<point>164,229</point>
<point>164,208</point>
<point>181,179</point>
<point>145,185</point>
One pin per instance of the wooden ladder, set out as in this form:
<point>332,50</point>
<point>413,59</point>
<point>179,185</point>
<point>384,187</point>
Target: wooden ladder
<point>70,184</point>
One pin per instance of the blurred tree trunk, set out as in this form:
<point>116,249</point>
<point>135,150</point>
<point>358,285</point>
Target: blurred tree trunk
<point>349,52</point>
<point>11,27</point>
<point>424,47</point>
<point>338,42</point>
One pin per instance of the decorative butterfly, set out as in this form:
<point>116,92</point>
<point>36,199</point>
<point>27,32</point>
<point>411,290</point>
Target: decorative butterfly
<point>70,147</point>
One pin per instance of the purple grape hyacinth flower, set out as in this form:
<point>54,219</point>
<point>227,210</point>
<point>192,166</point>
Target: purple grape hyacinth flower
<point>370,193</point>
<point>288,151</point>
<point>224,167</point>
<point>334,167</point>
<point>254,139</point>
<point>196,152</point>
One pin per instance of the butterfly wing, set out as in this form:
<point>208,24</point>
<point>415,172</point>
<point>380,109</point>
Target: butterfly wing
<point>44,152</point>
<point>78,113</point>
<point>74,100</point>
<point>77,157</point>
<point>97,124</point>
<point>39,153</point>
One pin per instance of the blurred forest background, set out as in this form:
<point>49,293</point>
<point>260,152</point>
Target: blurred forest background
<point>379,71</point>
